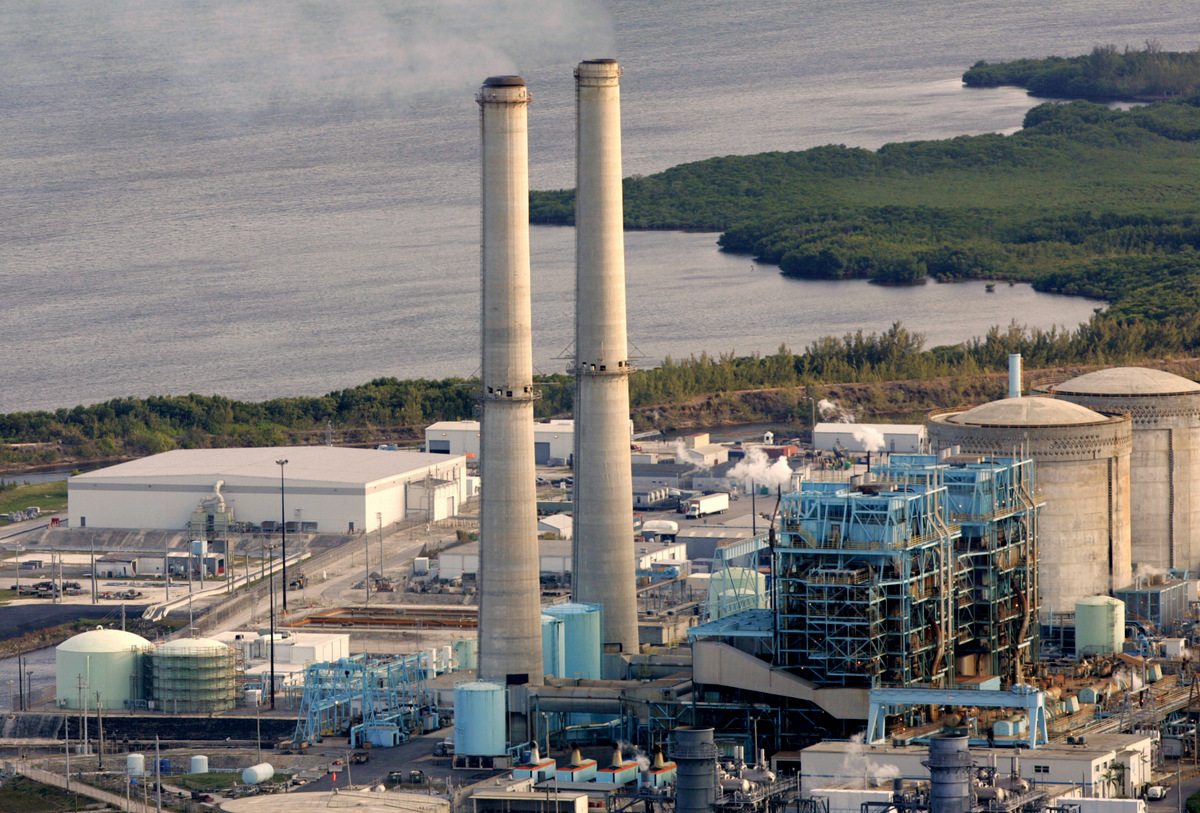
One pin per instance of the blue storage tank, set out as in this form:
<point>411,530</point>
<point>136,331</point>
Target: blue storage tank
<point>581,637</point>
<point>553,646</point>
<point>479,718</point>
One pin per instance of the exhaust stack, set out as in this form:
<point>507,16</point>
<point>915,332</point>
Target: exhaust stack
<point>1014,375</point>
<point>603,549</point>
<point>510,627</point>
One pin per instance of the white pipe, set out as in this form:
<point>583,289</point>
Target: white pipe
<point>1014,375</point>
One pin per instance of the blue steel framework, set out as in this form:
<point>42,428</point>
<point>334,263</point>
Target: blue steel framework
<point>388,696</point>
<point>886,583</point>
<point>863,584</point>
<point>992,502</point>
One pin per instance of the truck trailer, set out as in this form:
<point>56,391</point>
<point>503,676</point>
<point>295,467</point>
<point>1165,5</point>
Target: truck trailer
<point>702,506</point>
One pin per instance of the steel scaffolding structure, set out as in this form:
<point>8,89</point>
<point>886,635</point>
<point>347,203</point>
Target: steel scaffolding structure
<point>864,584</point>
<point>378,701</point>
<point>926,573</point>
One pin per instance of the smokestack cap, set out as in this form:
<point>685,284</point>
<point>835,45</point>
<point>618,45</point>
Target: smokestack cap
<point>503,82</point>
<point>598,72</point>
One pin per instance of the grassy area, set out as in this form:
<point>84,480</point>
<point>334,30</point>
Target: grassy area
<point>50,497</point>
<point>21,795</point>
<point>212,781</point>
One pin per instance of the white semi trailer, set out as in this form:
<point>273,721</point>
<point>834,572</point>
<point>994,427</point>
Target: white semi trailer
<point>702,506</point>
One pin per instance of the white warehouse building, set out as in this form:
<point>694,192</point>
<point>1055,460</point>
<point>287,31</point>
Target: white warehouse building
<point>899,438</point>
<point>552,440</point>
<point>328,489</point>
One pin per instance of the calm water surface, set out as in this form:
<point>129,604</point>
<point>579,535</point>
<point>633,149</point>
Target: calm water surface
<point>260,198</point>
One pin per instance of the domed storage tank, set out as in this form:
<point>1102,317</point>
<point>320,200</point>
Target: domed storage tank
<point>479,717</point>
<point>1081,471</point>
<point>1165,463</point>
<point>581,638</point>
<point>108,661</point>
<point>1099,625</point>
<point>193,675</point>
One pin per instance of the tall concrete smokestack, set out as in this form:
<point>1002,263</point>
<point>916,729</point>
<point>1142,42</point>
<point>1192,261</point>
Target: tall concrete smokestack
<point>604,571</point>
<point>510,624</point>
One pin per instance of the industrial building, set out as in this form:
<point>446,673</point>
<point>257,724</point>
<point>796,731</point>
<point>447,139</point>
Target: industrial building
<point>1164,466</point>
<point>1082,464</point>
<point>900,438</point>
<point>553,441</point>
<point>324,489</point>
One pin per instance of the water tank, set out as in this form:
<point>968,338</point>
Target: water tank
<point>695,758</point>
<point>466,651</point>
<point>1081,470</point>
<point>104,661</point>
<point>258,773</point>
<point>193,675</point>
<point>479,719</point>
<point>199,764</point>
<point>135,764</point>
<point>1099,625</point>
<point>1164,466</point>
<point>553,652</point>
<point>581,638</point>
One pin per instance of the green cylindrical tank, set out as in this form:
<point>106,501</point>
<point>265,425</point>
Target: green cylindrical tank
<point>1099,625</point>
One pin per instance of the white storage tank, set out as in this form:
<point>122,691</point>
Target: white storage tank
<point>1081,472</point>
<point>1164,466</point>
<point>581,638</point>
<point>1099,625</point>
<point>109,662</point>
<point>199,764</point>
<point>258,773</point>
<point>479,719</point>
<point>135,764</point>
<point>553,654</point>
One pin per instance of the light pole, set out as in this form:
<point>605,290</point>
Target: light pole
<point>379,521</point>
<point>271,593</point>
<point>283,543</point>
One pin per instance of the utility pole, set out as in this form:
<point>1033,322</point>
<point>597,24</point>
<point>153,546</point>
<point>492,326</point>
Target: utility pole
<point>379,521</point>
<point>283,531</point>
<point>99,733</point>
<point>93,571</point>
<point>158,772</point>
<point>367,583</point>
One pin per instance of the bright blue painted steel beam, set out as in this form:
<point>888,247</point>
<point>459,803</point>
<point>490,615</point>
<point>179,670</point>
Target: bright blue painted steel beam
<point>1021,696</point>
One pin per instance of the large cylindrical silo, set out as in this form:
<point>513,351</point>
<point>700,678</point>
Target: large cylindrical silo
<point>604,570</point>
<point>581,631</point>
<point>1164,466</point>
<point>1081,468</point>
<point>510,632</point>
<point>100,660</point>
<point>194,675</point>
<point>479,719</point>
<point>695,758</point>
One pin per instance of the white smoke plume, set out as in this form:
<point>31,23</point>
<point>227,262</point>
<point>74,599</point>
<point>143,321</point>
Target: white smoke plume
<point>833,412</point>
<point>872,439</point>
<point>251,57</point>
<point>685,455</point>
<point>756,469</point>
<point>857,767</point>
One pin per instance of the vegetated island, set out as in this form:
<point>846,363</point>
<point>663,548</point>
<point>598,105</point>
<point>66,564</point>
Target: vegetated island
<point>1083,200</point>
<point>1106,73</point>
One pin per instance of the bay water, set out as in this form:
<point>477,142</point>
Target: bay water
<point>260,198</point>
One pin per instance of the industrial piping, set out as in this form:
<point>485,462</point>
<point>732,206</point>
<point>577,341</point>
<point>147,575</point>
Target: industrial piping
<point>510,625</point>
<point>603,549</point>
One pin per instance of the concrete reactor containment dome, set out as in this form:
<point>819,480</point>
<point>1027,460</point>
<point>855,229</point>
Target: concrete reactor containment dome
<point>1081,472</point>
<point>1165,463</point>
<point>105,661</point>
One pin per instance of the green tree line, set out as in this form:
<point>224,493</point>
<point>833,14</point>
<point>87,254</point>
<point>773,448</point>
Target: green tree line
<point>130,427</point>
<point>1106,73</point>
